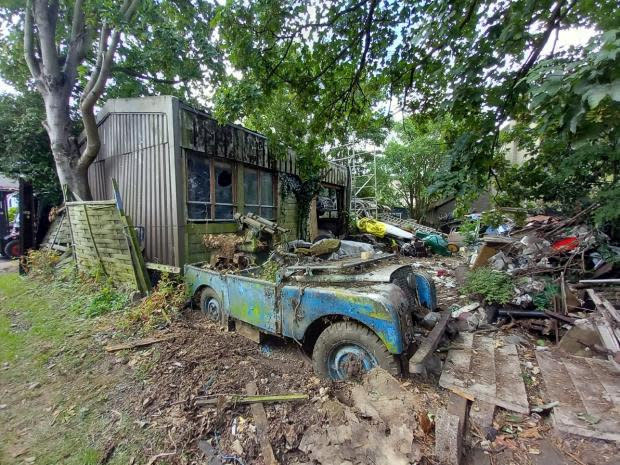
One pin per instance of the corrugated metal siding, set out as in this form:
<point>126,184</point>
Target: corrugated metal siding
<point>135,151</point>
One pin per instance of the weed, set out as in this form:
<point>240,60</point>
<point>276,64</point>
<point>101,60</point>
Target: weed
<point>269,271</point>
<point>542,300</point>
<point>42,263</point>
<point>469,230</point>
<point>492,286</point>
<point>527,379</point>
<point>159,308</point>
<point>106,300</point>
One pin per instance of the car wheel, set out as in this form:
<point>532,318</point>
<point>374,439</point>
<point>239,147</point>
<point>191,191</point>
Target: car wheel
<point>210,304</point>
<point>346,350</point>
<point>12,249</point>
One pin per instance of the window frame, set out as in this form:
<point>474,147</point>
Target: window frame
<point>212,202</point>
<point>274,182</point>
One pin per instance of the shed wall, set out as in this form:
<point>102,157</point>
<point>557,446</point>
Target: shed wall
<point>136,151</point>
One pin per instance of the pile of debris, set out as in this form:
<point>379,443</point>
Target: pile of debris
<point>551,262</point>
<point>550,347</point>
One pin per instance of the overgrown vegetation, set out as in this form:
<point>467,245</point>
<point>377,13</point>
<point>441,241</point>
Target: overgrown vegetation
<point>42,263</point>
<point>159,308</point>
<point>569,130</point>
<point>490,285</point>
<point>93,293</point>
<point>57,379</point>
<point>469,230</point>
<point>543,300</point>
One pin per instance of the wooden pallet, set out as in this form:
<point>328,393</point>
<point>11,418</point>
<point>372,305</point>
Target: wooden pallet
<point>486,369</point>
<point>588,390</point>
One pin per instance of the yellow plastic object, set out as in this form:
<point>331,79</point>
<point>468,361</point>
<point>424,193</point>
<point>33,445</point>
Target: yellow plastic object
<point>452,247</point>
<point>371,226</point>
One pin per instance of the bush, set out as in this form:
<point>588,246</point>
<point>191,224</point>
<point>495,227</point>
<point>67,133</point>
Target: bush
<point>42,263</point>
<point>159,308</point>
<point>492,286</point>
<point>544,300</point>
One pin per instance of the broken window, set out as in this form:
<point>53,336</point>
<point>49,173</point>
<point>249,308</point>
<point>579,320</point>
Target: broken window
<point>209,189</point>
<point>259,193</point>
<point>198,188</point>
<point>223,191</point>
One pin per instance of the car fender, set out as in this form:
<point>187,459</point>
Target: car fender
<point>196,278</point>
<point>378,307</point>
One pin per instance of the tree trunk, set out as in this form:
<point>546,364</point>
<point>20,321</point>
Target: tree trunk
<point>64,146</point>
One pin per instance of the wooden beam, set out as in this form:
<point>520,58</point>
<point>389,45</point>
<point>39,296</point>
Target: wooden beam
<point>140,343</point>
<point>559,316</point>
<point>429,344</point>
<point>449,430</point>
<point>163,268</point>
<point>604,306</point>
<point>262,426</point>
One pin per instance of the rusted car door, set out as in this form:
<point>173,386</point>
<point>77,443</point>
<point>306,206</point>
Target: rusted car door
<point>254,302</point>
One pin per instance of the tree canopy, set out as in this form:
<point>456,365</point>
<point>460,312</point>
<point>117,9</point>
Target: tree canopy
<point>570,131</point>
<point>313,75</point>
<point>24,145</point>
<point>68,50</point>
<point>411,160</point>
<point>341,59</point>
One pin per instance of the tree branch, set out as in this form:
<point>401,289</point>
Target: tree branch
<point>145,77</point>
<point>46,25</point>
<point>104,35</point>
<point>77,43</point>
<point>96,86</point>
<point>31,61</point>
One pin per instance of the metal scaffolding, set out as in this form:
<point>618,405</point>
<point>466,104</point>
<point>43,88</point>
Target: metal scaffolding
<point>363,168</point>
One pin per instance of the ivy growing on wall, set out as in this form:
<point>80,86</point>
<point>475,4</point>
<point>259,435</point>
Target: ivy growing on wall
<point>304,192</point>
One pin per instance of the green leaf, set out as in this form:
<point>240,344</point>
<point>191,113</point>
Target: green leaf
<point>596,94</point>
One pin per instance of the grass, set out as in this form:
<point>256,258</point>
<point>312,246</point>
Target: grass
<point>58,385</point>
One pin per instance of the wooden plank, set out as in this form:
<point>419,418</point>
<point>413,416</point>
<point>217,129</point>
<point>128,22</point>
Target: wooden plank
<point>429,344</point>
<point>588,387</point>
<point>608,376</point>
<point>499,383</point>
<point>248,331</point>
<point>599,281</point>
<point>457,363</point>
<point>559,316</point>
<point>262,426</point>
<point>604,306</point>
<point>510,386</point>
<point>483,366</point>
<point>164,268</point>
<point>482,414</point>
<point>449,430</point>
<point>448,442</point>
<point>91,202</point>
<point>583,387</point>
<point>140,343</point>
<point>607,336</point>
